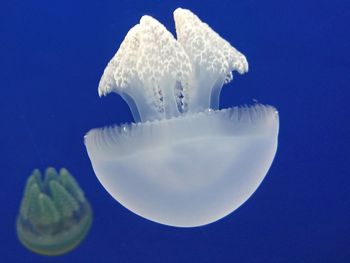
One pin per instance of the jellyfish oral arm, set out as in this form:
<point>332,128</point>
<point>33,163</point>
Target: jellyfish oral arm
<point>146,71</point>
<point>212,59</point>
<point>204,91</point>
<point>161,77</point>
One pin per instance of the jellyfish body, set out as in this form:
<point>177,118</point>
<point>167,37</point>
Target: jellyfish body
<point>183,162</point>
<point>54,215</point>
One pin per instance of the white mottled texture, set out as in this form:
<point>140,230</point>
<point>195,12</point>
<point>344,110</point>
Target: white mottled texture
<point>205,47</point>
<point>121,69</point>
<point>151,68</point>
<point>212,58</point>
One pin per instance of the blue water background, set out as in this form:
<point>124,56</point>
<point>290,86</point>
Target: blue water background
<point>52,56</point>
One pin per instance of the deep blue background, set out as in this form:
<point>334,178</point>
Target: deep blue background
<point>52,56</point>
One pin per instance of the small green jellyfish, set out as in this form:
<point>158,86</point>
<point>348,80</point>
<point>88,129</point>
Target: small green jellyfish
<point>54,216</point>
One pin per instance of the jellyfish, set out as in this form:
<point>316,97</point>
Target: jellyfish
<point>54,215</point>
<point>183,162</point>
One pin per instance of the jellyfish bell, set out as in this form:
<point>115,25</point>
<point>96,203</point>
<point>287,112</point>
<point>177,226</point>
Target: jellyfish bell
<point>186,171</point>
<point>183,162</point>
